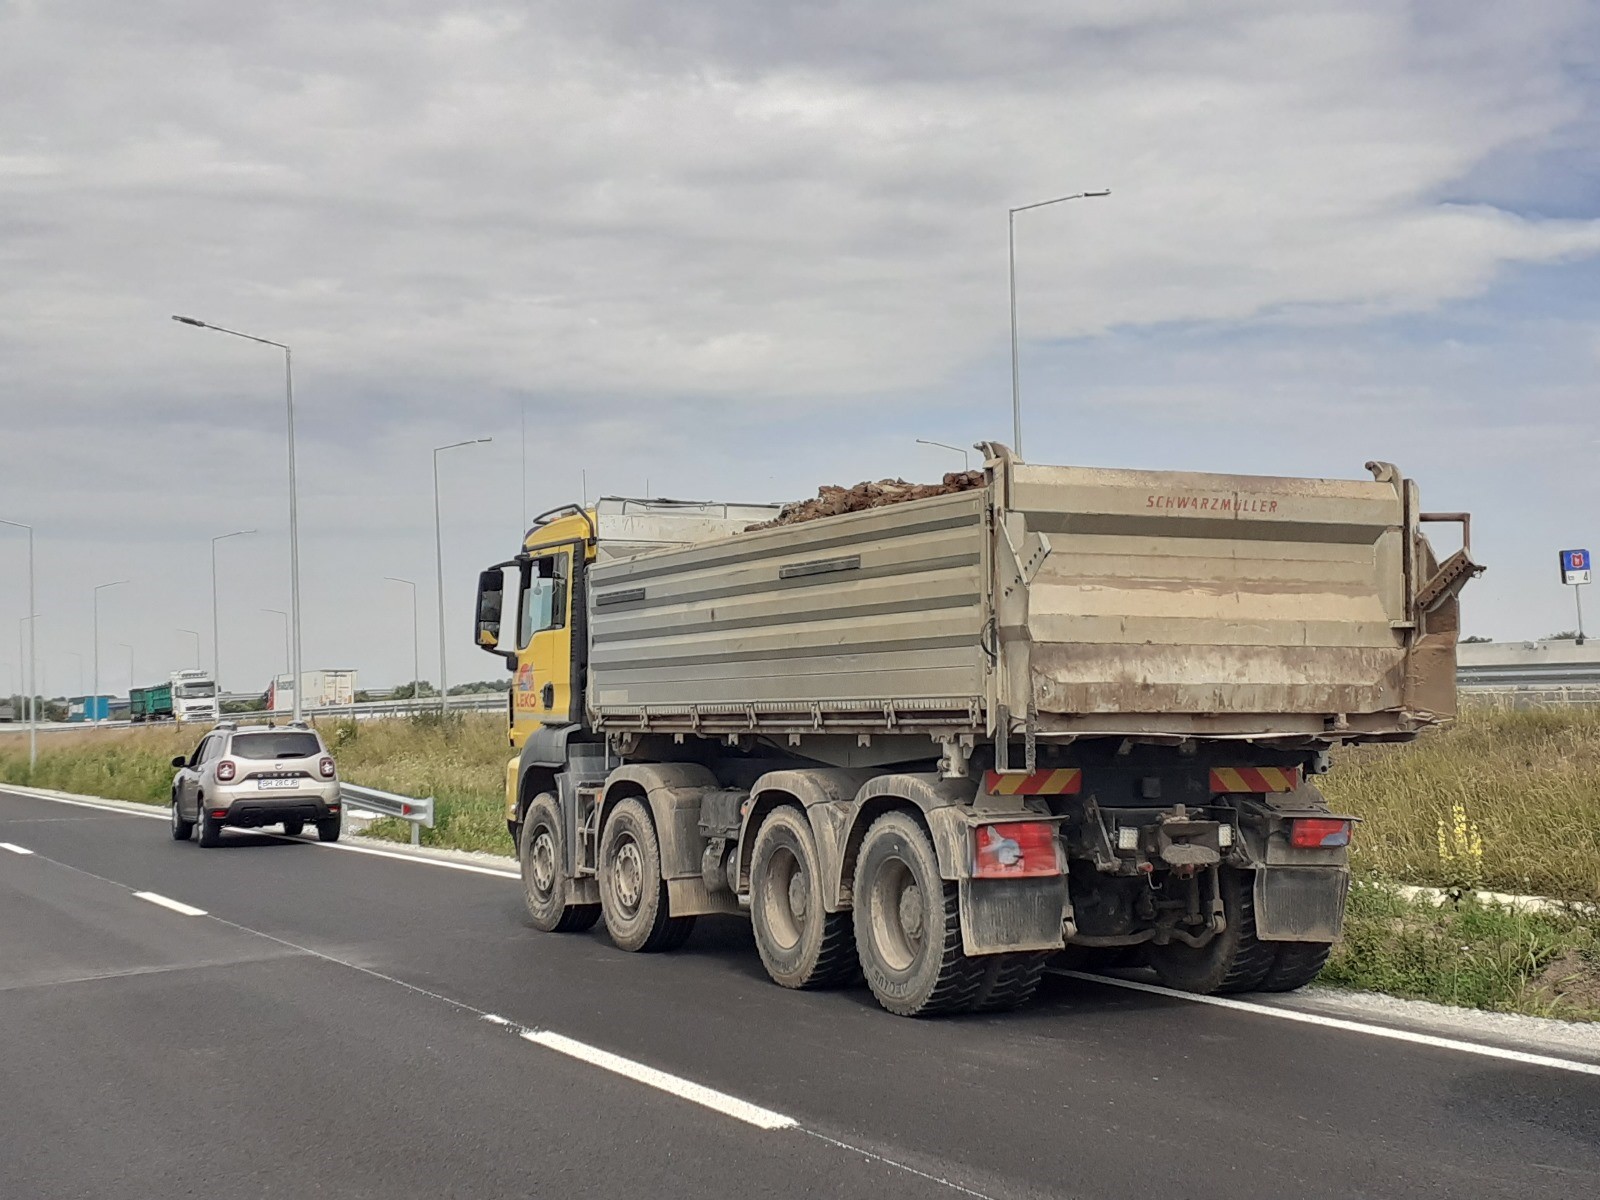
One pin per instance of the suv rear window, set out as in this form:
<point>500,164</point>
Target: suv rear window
<point>275,745</point>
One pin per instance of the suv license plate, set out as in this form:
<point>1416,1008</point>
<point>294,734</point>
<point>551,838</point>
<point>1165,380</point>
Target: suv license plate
<point>265,784</point>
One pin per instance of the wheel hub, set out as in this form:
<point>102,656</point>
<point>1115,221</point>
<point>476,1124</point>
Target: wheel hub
<point>911,912</point>
<point>629,875</point>
<point>797,895</point>
<point>542,861</point>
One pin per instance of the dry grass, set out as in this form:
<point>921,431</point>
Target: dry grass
<point>1527,784</point>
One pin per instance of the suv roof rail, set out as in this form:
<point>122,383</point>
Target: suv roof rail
<point>226,725</point>
<point>299,725</point>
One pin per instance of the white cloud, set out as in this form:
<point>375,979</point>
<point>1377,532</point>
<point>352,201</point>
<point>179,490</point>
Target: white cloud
<point>659,220</point>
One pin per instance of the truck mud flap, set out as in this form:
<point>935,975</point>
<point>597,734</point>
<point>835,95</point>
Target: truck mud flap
<point>1300,904</point>
<point>1000,915</point>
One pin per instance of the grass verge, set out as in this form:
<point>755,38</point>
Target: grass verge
<point>1468,953</point>
<point>1503,800</point>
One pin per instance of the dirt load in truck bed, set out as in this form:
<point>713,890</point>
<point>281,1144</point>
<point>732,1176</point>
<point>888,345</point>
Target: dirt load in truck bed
<point>831,501</point>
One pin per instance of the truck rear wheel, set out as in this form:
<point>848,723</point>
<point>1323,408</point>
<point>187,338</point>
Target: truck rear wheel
<point>801,944</point>
<point>1233,961</point>
<point>633,896</point>
<point>1009,980</point>
<point>1297,964</point>
<point>542,852</point>
<point>908,924</point>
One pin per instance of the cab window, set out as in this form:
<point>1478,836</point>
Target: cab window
<point>544,597</point>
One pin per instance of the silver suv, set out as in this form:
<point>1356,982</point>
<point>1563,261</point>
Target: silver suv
<point>255,775</point>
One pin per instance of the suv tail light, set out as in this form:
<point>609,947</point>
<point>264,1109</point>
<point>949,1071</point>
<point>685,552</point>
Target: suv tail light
<point>326,767</point>
<point>226,770</point>
<point>1015,850</point>
<point>1316,833</point>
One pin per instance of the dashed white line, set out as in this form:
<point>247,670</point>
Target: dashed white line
<point>14,848</point>
<point>695,1093</point>
<point>177,906</point>
<point>1380,1031</point>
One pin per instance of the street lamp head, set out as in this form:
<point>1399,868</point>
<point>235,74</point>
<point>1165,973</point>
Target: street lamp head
<point>1102,192</point>
<point>188,321</point>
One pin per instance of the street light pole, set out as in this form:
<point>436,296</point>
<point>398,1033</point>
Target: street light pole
<point>94,701</point>
<point>196,636</point>
<point>216,640</point>
<point>416,663</point>
<point>285,617</point>
<point>294,500</point>
<point>20,655</point>
<point>33,678</point>
<point>129,649</point>
<point>438,558</point>
<point>966,461</point>
<point>1016,375</point>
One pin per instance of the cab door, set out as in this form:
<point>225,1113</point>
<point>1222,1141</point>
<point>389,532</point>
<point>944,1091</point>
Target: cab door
<point>544,691</point>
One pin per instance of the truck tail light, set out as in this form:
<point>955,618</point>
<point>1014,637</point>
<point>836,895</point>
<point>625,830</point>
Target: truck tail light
<point>1015,850</point>
<point>226,770</point>
<point>1316,833</point>
<point>326,767</point>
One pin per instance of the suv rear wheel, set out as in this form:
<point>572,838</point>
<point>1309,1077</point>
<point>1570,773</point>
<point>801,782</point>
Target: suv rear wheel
<point>210,828</point>
<point>182,830</point>
<point>328,829</point>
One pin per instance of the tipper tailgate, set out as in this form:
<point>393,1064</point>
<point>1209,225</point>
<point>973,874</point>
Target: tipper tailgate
<point>1169,592</point>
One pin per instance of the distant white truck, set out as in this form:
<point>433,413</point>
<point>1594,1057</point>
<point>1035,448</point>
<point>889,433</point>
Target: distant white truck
<point>320,689</point>
<point>194,697</point>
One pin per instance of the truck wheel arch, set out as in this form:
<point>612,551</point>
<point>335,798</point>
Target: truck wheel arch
<point>672,793</point>
<point>824,794</point>
<point>938,804</point>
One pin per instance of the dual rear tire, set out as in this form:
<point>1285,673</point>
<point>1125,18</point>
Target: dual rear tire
<point>1237,959</point>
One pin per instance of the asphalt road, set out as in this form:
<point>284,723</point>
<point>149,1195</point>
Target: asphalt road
<point>347,1024</point>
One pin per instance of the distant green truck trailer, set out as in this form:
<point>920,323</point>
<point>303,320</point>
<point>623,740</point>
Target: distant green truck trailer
<point>150,704</point>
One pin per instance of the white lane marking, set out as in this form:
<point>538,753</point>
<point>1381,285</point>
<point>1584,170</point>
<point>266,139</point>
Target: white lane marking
<point>498,872</point>
<point>495,1019</point>
<point>177,906</point>
<point>695,1093</point>
<point>1340,1023</point>
<point>14,848</point>
<point>160,813</point>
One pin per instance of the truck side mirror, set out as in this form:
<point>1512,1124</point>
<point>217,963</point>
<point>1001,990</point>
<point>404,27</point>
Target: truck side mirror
<point>491,597</point>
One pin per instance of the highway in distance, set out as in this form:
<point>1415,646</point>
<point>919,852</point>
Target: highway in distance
<point>277,1018</point>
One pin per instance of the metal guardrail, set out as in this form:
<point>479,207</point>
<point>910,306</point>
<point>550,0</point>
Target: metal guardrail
<point>387,804</point>
<point>476,702</point>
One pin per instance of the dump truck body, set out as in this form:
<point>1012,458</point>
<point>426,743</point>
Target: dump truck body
<point>1059,601</point>
<point>1068,708</point>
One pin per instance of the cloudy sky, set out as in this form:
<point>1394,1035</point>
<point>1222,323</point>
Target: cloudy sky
<point>734,250</point>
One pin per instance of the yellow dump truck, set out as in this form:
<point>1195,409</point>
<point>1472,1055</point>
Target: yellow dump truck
<point>936,742</point>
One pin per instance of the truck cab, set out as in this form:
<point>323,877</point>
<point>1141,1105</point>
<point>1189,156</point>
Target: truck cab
<point>194,697</point>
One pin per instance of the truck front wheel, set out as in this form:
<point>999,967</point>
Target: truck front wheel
<point>801,944</point>
<point>633,896</point>
<point>542,852</point>
<point>1236,960</point>
<point>908,924</point>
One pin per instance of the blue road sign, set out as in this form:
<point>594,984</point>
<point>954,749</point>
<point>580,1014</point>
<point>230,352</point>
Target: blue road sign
<point>1575,566</point>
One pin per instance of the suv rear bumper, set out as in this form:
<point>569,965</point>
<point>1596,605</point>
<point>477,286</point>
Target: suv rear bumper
<point>248,814</point>
<point>248,807</point>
